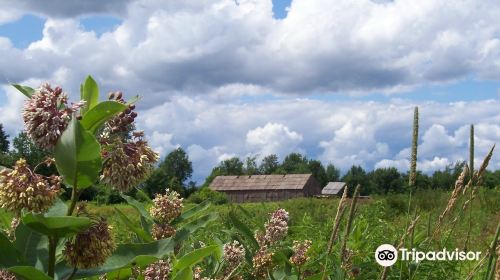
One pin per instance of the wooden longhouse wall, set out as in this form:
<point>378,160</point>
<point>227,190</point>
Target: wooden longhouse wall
<point>266,187</point>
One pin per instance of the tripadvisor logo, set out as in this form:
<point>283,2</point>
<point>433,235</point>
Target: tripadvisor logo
<point>387,255</point>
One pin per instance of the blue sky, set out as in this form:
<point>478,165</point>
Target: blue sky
<point>253,77</point>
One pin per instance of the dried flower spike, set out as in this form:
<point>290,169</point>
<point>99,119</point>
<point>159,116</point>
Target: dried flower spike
<point>90,248</point>
<point>21,189</point>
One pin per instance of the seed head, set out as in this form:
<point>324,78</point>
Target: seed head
<point>90,248</point>
<point>162,231</point>
<point>21,189</point>
<point>126,164</point>
<point>157,271</point>
<point>300,249</point>
<point>166,207</point>
<point>46,115</point>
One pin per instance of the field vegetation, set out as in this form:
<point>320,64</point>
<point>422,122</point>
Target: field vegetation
<point>82,197</point>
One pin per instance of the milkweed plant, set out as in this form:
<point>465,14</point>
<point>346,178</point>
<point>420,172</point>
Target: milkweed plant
<point>95,142</point>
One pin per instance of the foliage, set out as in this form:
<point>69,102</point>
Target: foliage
<point>205,193</point>
<point>4,140</point>
<point>173,172</point>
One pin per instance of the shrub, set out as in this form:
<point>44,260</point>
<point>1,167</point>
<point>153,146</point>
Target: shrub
<point>205,193</point>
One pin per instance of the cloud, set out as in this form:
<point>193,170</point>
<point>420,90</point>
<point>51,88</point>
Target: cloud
<point>196,47</point>
<point>273,138</point>
<point>66,8</point>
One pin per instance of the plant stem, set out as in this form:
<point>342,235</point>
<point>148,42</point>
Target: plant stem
<point>74,198</point>
<point>52,255</point>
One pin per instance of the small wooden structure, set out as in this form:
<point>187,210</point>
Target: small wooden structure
<point>266,187</point>
<point>333,189</point>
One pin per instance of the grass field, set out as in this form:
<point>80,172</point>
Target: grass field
<point>378,220</point>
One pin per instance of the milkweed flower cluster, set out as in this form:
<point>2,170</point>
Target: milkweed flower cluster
<point>262,262</point>
<point>46,114</point>
<point>234,253</point>
<point>275,229</point>
<point>6,275</point>
<point>91,247</point>
<point>165,209</point>
<point>22,189</point>
<point>123,121</point>
<point>300,249</point>
<point>157,271</point>
<point>162,231</point>
<point>126,164</point>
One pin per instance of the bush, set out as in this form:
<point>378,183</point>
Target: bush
<point>205,193</point>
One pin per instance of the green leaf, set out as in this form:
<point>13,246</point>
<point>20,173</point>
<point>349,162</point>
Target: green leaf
<point>29,273</point>
<point>9,255</point>
<point>143,235</point>
<point>317,276</point>
<point>89,92</point>
<point>27,91</point>
<point>100,113</point>
<point>56,226</point>
<point>185,274</point>
<point>33,246</point>
<point>138,206</point>
<point>244,230</point>
<point>191,212</point>
<point>195,257</point>
<point>58,209</point>
<point>124,256</point>
<point>188,229</point>
<point>78,156</point>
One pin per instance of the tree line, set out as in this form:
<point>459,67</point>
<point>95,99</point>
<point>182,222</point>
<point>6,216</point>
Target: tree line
<point>175,172</point>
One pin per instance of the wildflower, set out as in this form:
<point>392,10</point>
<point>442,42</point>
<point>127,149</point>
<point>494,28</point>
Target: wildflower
<point>234,253</point>
<point>21,189</point>
<point>46,115</point>
<point>276,227</point>
<point>262,262</point>
<point>162,231</point>
<point>300,249</point>
<point>90,248</point>
<point>166,207</point>
<point>6,275</point>
<point>126,164</point>
<point>197,273</point>
<point>123,122</point>
<point>157,271</point>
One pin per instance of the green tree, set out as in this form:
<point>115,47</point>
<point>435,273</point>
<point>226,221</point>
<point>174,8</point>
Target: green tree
<point>23,147</point>
<point>294,163</point>
<point>172,172</point>
<point>269,164</point>
<point>232,166</point>
<point>4,140</point>
<point>332,173</point>
<point>318,171</point>
<point>251,166</point>
<point>386,180</point>
<point>357,175</point>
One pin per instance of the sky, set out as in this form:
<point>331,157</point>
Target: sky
<point>334,80</point>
